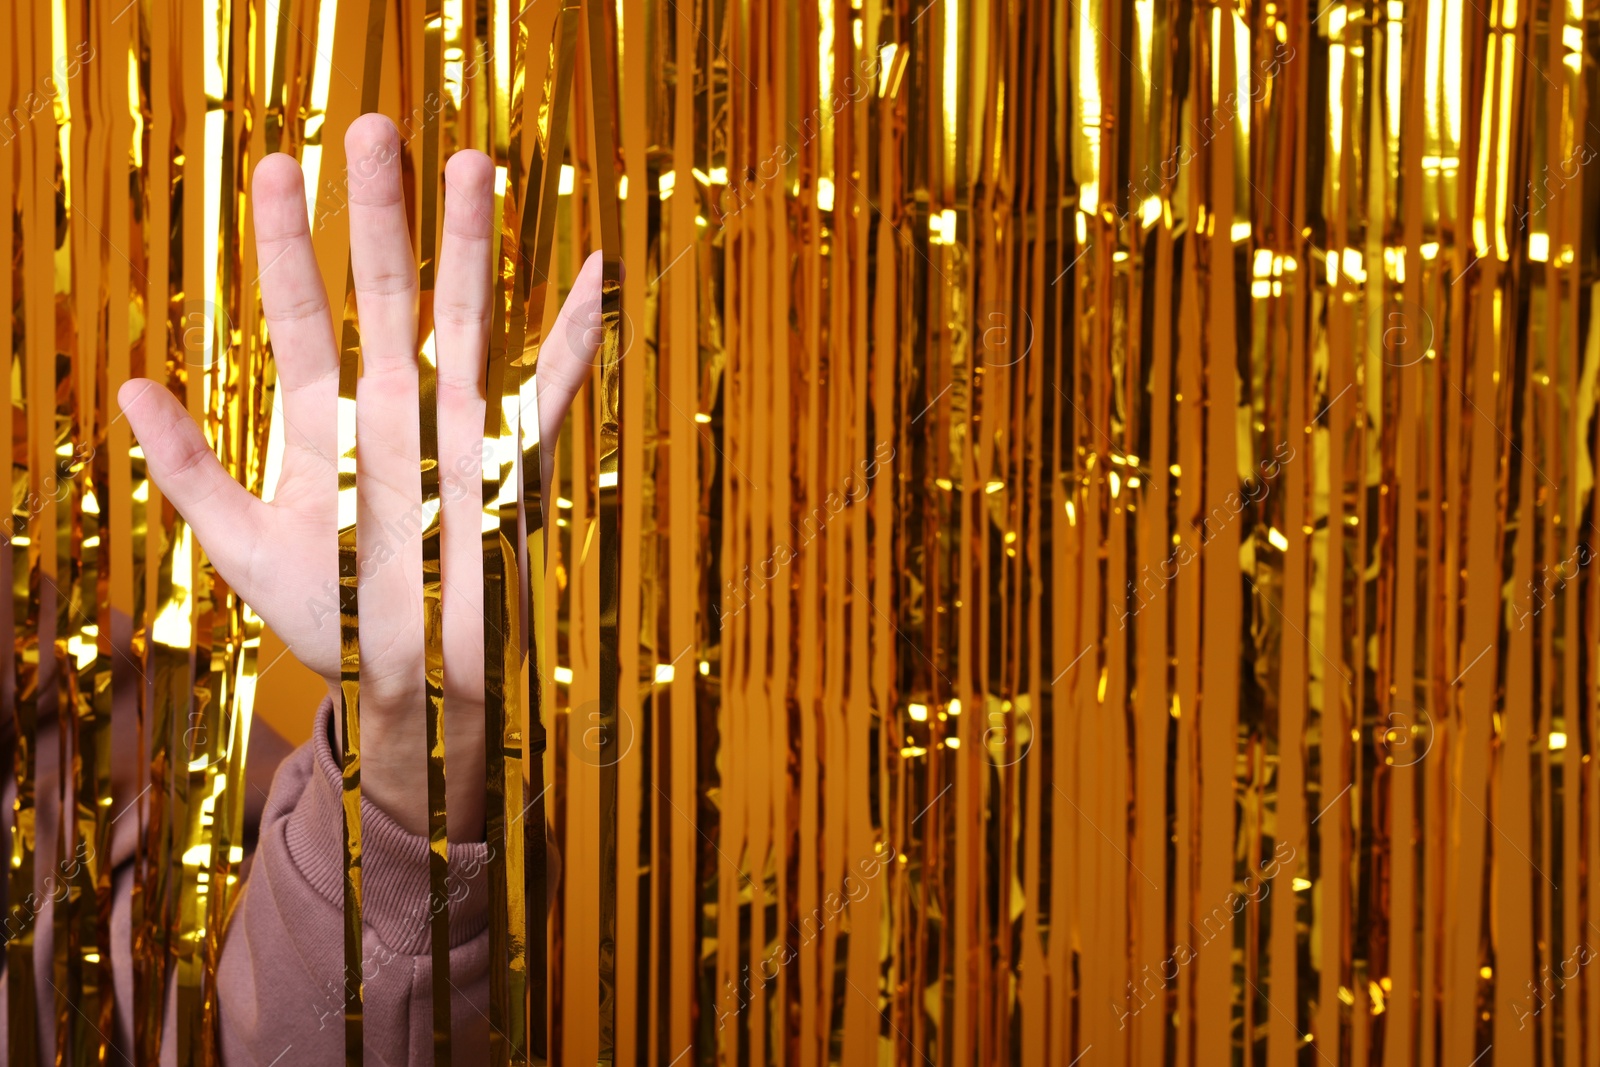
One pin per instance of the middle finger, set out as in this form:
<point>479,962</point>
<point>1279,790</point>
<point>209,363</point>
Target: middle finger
<point>380,249</point>
<point>388,440</point>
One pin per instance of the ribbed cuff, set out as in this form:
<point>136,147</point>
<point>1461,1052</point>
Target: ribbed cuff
<point>394,862</point>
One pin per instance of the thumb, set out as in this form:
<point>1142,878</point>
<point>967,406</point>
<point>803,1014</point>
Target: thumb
<point>224,515</point>
<point>569,353</point>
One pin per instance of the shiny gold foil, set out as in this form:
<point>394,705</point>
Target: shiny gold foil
<point>501,601</point>
<point>1078,546</point>
<point>370,34</point>
<point>533,318</point>
<point>603,80</point>
<point>29,474</point>
<point>539,86</point>
<point>430,180</point>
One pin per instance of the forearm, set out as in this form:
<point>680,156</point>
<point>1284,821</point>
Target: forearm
<point>281,974</point>
<point>394,768</point>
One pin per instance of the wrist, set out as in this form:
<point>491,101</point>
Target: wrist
<point>394,769</point>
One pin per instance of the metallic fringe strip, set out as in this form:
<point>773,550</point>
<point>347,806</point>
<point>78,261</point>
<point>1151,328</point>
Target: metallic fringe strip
<point>430,181</point>
<point>528,330</point>
<point>29,338</point>
<point>502,666</point>
<point>169,546</point>
<point>603,78</point>
<point>349,571</point>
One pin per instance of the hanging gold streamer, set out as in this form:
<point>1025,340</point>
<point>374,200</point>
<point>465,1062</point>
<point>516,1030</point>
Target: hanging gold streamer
<point>430,179</point>
<point>509,1020</point>
<point>29,337</point>
<point>603,114</point>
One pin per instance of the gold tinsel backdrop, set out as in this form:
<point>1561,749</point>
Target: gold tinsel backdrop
<point>1078,550</point>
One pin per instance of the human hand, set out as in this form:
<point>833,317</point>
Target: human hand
<point>280,556</point>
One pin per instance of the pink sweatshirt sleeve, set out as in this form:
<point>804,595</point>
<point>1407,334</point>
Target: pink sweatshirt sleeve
<point>280,979</point>
<point>280,976</point>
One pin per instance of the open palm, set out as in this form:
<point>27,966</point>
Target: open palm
<point>281,555</point>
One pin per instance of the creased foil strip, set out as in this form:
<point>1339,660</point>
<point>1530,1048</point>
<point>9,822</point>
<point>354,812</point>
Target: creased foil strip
<point>372,37</point>
<point>30,339</point>
<point>502,607</point>
<point>528,324</point>
<point>430,180</point>
<point>603,80</point>
<point>168,574</point>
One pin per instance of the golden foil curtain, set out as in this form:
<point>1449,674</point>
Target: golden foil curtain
<point>1080,546</point>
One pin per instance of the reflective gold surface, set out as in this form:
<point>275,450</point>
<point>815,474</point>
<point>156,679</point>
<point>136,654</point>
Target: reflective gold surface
<point>429,180</point>
<point>1077,548</point>
<point>369,35</point>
